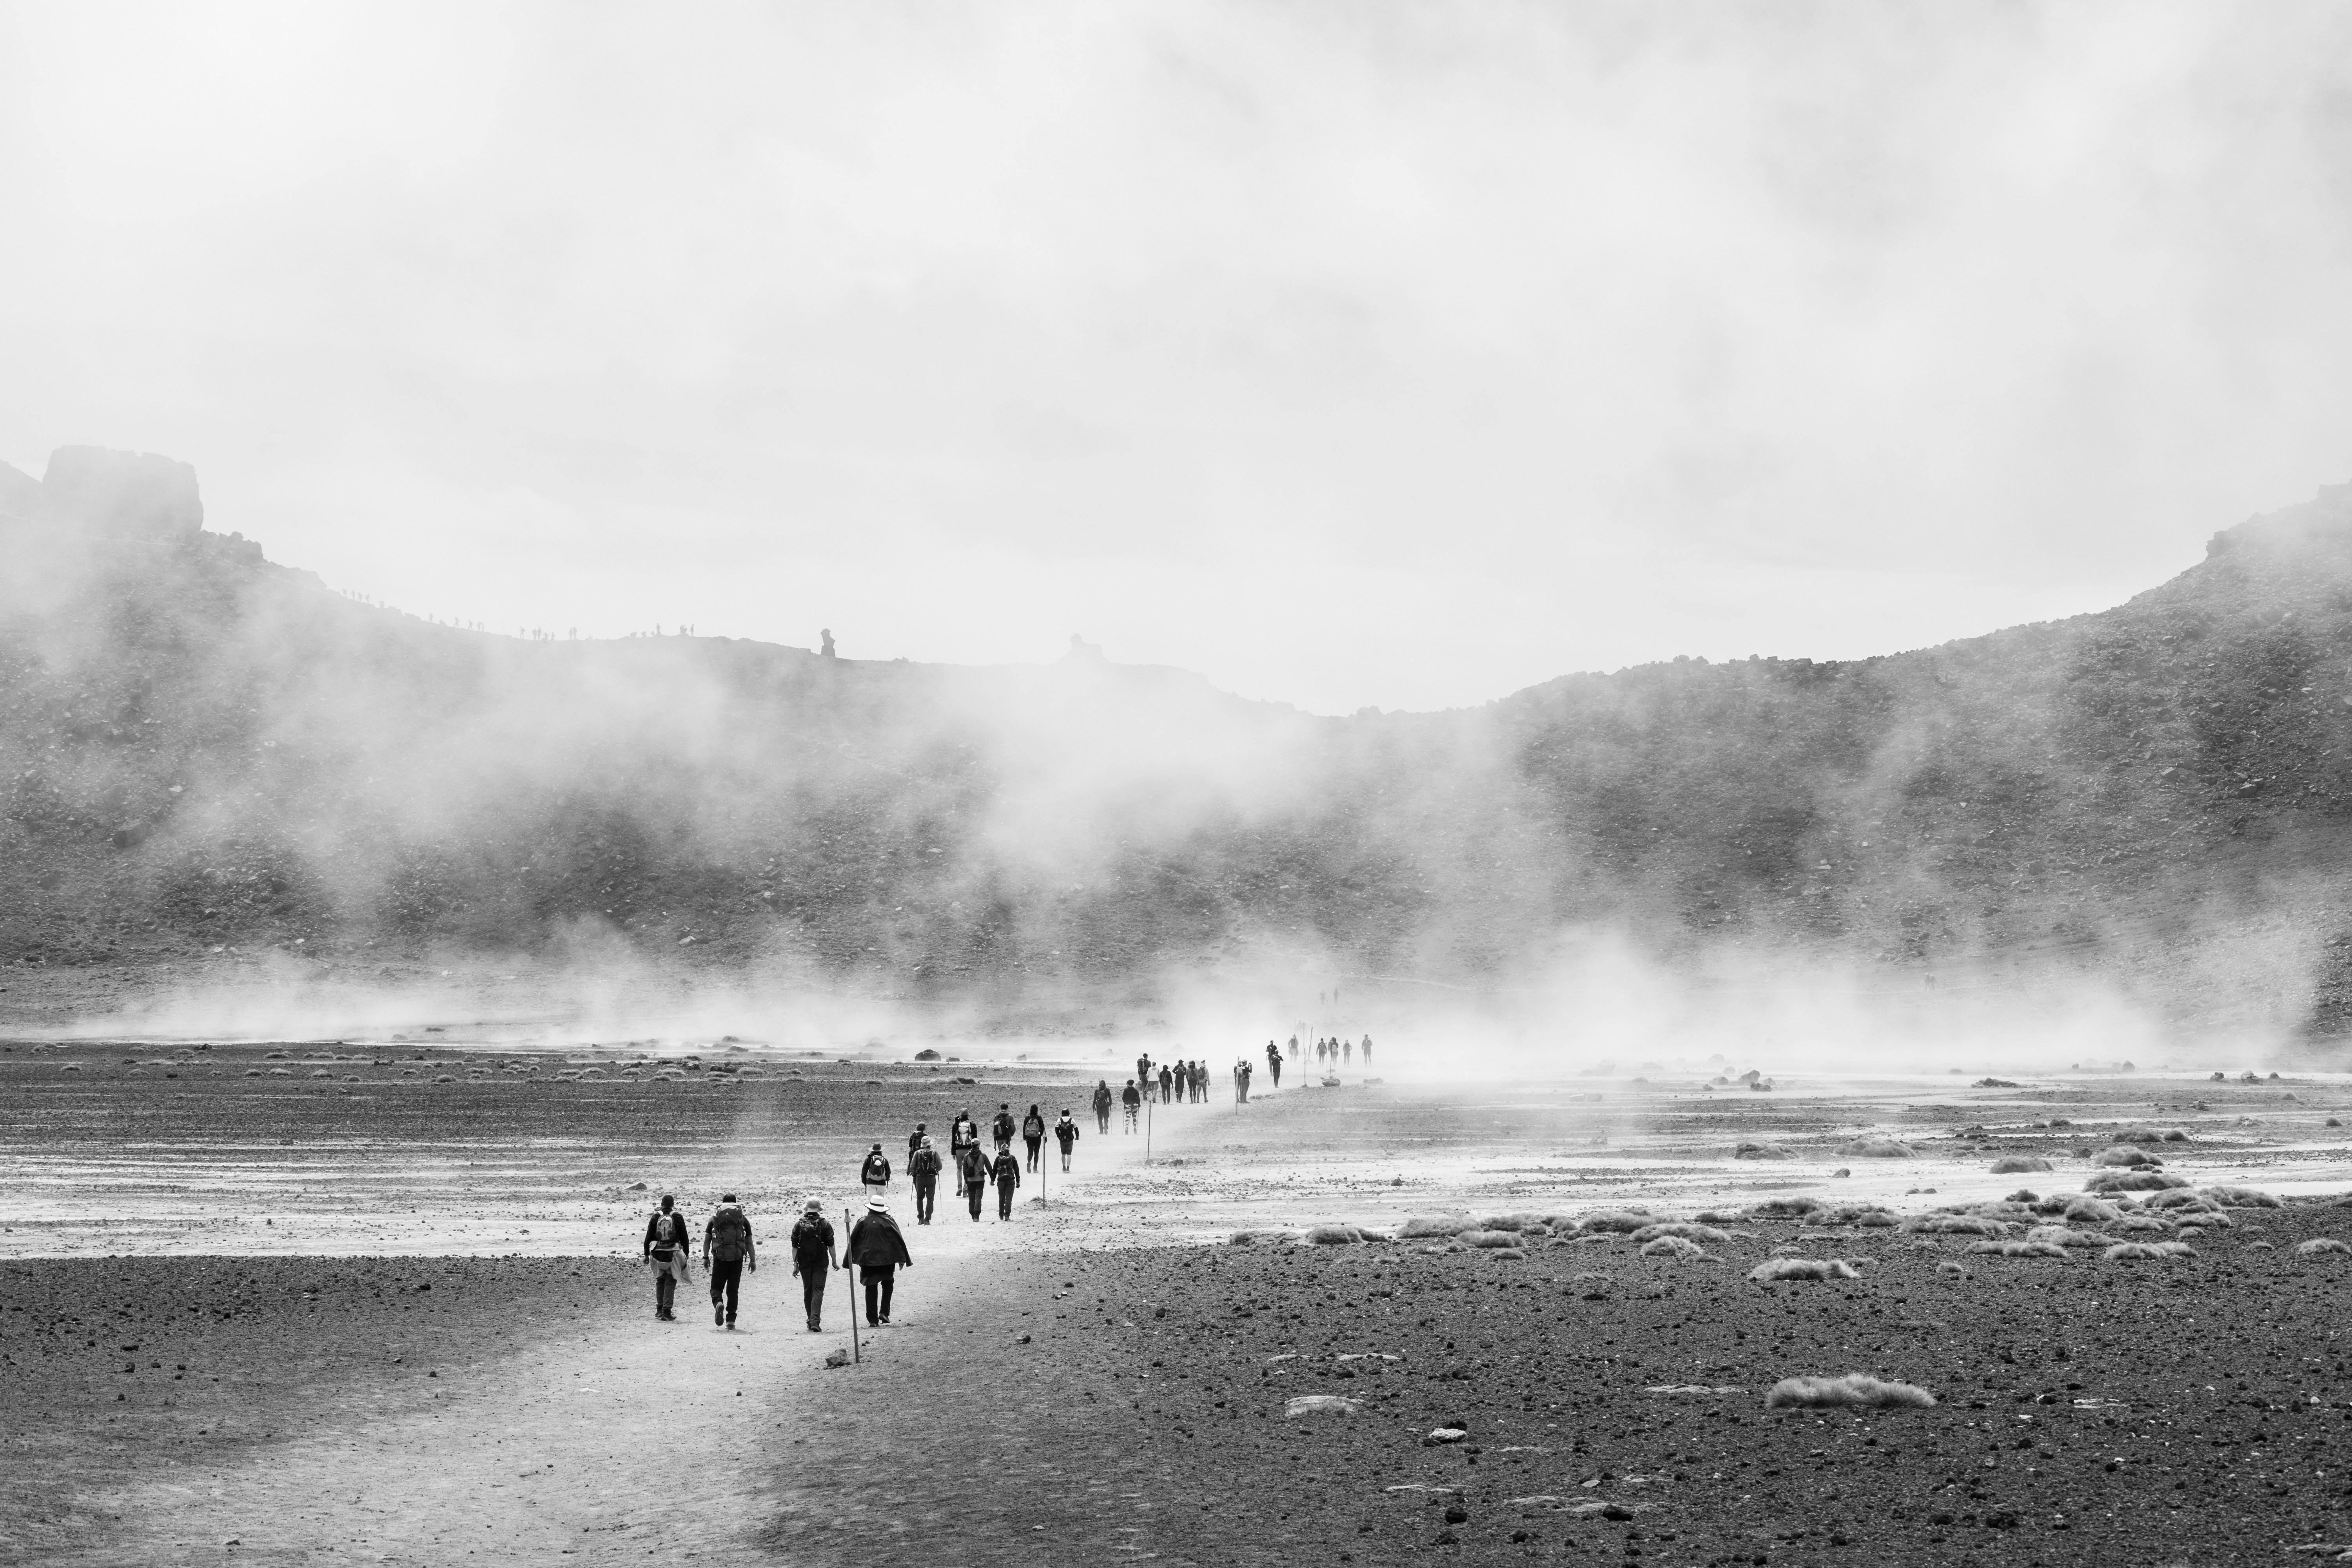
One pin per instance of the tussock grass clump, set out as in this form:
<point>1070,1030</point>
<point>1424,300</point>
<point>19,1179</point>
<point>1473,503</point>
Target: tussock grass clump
<point>1621,1221</point>
<point>1269,1237</point>
<point>1877,1147</point>
<point>2320,1244</point>
<point>2141,1224</point>
<point>2126,1251</point>
<point>1855,1389</point>
<point>1787,1208</point>
<point>1488,1238</point>
<point>2125,1154</point>
<point>2242,1198</point>
<point>1777,1268</point>
<point>2180,1198</point>
<point>1673,1247</point>
<point>2061,1236</point>
<point>2009,1165</point>
<point>1757,1148</point>
<point>1956,1224</point>
<point>1682,1228</point>
<point>1434,1225</point>
<point>2019,1248</point>
<point>1333,1235</point>
<point>1868,1215</point>
<point>2142,1181</point>
<point>2091,1211</point>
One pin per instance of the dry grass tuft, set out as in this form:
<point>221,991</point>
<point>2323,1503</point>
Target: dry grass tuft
<point>1333,1235</point>
<point>1673,1247</point>
<point>1757,1149</point>
<point>2125,1154</point>
<point>2244,1197</point>
<point>2125,1251</point>
<point>2142,1225</point>
<point>2319,1244</point>
<point>1855,1389</point>
<point>1876,1147</point>
<point>1434,1225</point>
<point>1956,1224</point>
<point>2009,1165</point>
<point>2060,1235</point>
<point>2132,1182</point>
<point>1623,1221</point>
<point>2091,1211</point>
<point>1684,1228</point>
<point>2019,1248</point>
<point>1775,1268</point>
<point>1787,1208</point>
<point>1488,1238</point>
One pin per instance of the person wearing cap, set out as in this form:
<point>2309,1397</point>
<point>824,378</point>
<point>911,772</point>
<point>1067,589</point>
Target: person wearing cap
<point>876,1173</point>
<point>666,1249</point>
<point>813,1259</point>
<point>1065,1134</point>
<point>880,1252</point>
<point>726,1251</point>
<point>923,1166</point>
<point>971,1174</point>
<point>1007,1174</point>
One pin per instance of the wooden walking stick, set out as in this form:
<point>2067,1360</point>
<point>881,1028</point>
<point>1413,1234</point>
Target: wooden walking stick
<point>856,1350</point>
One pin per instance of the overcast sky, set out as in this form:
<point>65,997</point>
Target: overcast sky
<point>1352,353</point>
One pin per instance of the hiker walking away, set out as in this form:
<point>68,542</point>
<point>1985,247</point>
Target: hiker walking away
<point>1368,1050</point>
<point>1241,1081</point>
<point>813,1259</point>
<point>1201,1082</point>
<point>915,1140</point>
<point>962,1133</point>
<point>1166,1078</point>
<point>1134,1103</point>
<point>665,1250</point>
<point>1002,1128</point>
<point>1102,1099</point>
<point>1348,1050</point>
<point>923,1165</point>
<point>1274,1063</point>
<point>972,1173</point>
<point>1293,1046</point>
<point>876,1173</point>
<point>726,1251</point>
<point>1032,1133</point>
<point>1143,1072</point>
<point>1007,1174</point>
<point>880,1252</point>
<point>1065,1134</point>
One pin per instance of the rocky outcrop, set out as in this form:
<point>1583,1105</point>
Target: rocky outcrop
<point>138,494</point>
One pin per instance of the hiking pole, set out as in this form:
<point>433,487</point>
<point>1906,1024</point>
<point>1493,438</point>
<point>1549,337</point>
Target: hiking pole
<point>1147,1131</point>
<point>856,1350</point>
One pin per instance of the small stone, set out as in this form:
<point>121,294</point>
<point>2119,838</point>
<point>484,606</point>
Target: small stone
<point>1443,1436</point>
<point>1320,1404</point>
<point>837,1358</point>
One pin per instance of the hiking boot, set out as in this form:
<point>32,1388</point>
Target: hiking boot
<point>717,1315</point>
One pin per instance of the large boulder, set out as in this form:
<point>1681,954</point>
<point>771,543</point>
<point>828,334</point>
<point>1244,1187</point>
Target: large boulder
<point>21,499</point>
<point>134,493</point>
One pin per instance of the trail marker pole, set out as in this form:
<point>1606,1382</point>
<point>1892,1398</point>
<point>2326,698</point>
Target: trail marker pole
<point>856,1350</point>
<point>1147,1130</point>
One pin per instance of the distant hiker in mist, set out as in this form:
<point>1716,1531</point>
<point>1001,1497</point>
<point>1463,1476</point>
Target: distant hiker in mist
<point>880,1252</point>
<point>1133,1100</point>
<point>666,1250</point>
<point>1241,1081</point>
<point>1368,1050</point>
<point>1347,1049</point>
<point>875,1174</point>
<point>962,1133</point>
<point>1103,1101</point>
<point>1065,1134</point>
<point>971,1174</point>
<point>813,1259</point>
<point>1274,1064</point>
<point>923,1165</point>
<point>1032,1133</point>
<point>1201,1082</point>
<point>1294,1045</point>
<point>726,1251</point>
<point>1143,1073</point>
<point>1006,1173</point>
<point>1002,1128</point>
<point>1166,1078</point>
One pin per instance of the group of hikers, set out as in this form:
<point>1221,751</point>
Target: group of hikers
<point>875,1245</point>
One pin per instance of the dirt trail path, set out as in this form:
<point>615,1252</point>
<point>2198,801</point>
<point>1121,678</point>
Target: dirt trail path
<point>615,1440</point>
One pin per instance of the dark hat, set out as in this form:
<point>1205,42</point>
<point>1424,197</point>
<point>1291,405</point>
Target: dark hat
<point>726,1197</point>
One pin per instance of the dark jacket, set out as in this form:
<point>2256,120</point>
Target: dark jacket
<point>1007,1170</point>
<point>678,1236</point>
<point>1033,1127</point>
<point>875,1172</point>
<point>1103,1097</point>
<point>875,1243</point>
<point>1066,1132</point>
<point>1002,1127</point>
<point>925,1164</point>
<point>811,1242</point>
<point>965,1133</point>
<point>971,1167</point>
<point>1131,1095</point>
<point>727,1235</point>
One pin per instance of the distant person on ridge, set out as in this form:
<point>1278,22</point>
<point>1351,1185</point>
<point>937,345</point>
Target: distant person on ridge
<point>1274,1063</point>
<point>1103,1100</point>
<point>875,1173</point>
<point>813,1259</point>
<point>665,1250</point>
<point>1032,1133</point>
<point>1143,1072</point>
<point>924,1167</point>
<point>1002,1127</point>
<point>726,1251</point>
<point>971,1174</point>
<point>1134,1103</point>
<point>1007,1174</point>
<point>878,1250</point>
<point>1065,1134</point>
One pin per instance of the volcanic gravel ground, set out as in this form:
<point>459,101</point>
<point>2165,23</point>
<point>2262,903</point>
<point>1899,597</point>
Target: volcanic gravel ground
<point>2182,1411</point>
<point>115,1369</point>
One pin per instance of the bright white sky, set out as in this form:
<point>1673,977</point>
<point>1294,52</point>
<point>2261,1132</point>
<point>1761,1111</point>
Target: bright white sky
<point>1351,353</point>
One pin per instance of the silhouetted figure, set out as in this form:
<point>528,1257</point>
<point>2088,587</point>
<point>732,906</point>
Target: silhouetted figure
<point>874,1173</point>
<point>1134,1103</point>
<point>880,1252</point>
<point>1274,1063</point>
<point>665,1250</point>
<point>726,1251</point>
<point>1032,1133</point>
<point>924,1167</point>
<point>1007,1174</point>
<point>971,1174</point>
<point>1368,1050</point>
<point>1002,1127</point>
<point>1065,1134</point>
<point>962,1133</point>
<point>813,1260</point>
<point>1103,1100</point>
<point>1348,1050</point>
<point>1166,1080</point>
<point>826,651</point>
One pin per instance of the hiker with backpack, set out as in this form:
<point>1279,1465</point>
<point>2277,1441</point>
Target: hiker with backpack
<point>972,1171</point>
<point>1103,1098</point>
<point>726,1251</point>
<point>874,1173</point>
<point>880,1252</point>
<point>813,1259</point>
<point>666,1250</point>
<point>923,1167</point>
<point>1032,1133</point>
<point>1002,1128</point>
<point>962,1133</point>
<point>1274,1063</point>
<point>1133,1101</point>
<point>1065,1134</point>
<point>1007,1174</point>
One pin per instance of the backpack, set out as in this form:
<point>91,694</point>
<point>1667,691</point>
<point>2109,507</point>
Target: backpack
<point>667,1228</point>
<point>731,1235</point>
<point>1034,1127</point>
